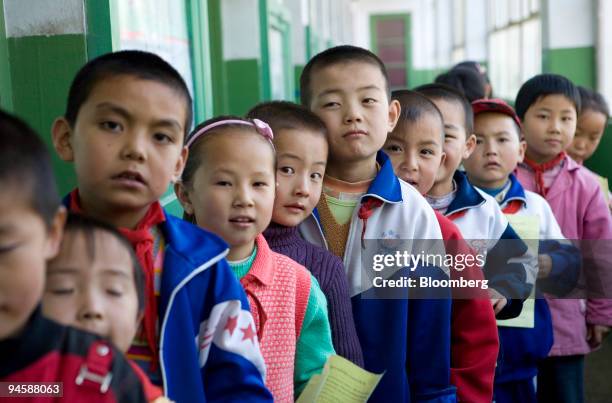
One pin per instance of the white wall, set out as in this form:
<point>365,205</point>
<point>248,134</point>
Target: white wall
<point>604,54</point>
<point>48,17</point>
<point>299,17</point>
<point>476,30</point>
<point>240,27</point>
<point>443,31</point>
<point>569,23</point>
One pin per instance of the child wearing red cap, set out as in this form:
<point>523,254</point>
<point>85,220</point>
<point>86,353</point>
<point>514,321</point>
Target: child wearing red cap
<point>499,148</point>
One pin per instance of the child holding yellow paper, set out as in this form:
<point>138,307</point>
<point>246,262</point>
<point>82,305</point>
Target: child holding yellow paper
<point>499,148</point>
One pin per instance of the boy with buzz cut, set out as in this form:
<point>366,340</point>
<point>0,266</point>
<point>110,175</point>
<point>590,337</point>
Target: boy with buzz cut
<point>509,266</point>
<point>499,149</point>
<point>363,200</point>
<point>548,106</point>
<point>124,128</point>
<point>34,349</point>
<point>415,147</point>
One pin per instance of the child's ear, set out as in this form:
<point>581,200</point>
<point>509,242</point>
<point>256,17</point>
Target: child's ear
<point>183,197</point>
<point>442,159</point>
<point>55,233</point>
<point>470,145</point>
<point>522,148</point>
<point>394,113</point>
<point>61,133</point>
<point>180,165</point>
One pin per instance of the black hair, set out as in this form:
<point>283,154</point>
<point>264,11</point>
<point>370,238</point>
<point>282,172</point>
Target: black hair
<point>450,94</point>
<point>281,115</point>
<point>475,66</point>
<point>25,166</point>
<point>467,81</point>
<point>543,85</point>
<point>414,106</point>
<point>88,227</point>
<point>196,158</point>
<point>338,55</point>
<point>594,101</point>
<point>143,65</point>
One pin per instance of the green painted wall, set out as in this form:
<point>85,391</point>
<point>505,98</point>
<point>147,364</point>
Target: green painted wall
<point>578,64</point>
<point>99,29</point>
<point>6,93</point>
<point>244,89</point>
<point>419,77</point>
<point>219,81</point>
<point>600,161</point>
<point>42,68</point>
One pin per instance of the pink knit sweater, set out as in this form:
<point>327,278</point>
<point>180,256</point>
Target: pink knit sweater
<point>278,289</point>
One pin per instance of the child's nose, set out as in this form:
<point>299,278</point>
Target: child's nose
<point>302,187</point>
<point>410,164</point>
<point>352,114</point>
<point>579,144</point>
<point>90,308</point>
<point>554,125</point>
<point>490,148</point>
<point>243,197</point>
<point>134,147</point>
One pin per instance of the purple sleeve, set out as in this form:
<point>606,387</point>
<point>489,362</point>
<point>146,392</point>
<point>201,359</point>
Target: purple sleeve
<point>335,287</point>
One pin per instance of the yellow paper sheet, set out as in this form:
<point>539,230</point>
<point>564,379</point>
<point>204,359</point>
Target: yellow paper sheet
<point>603,182</point>
<point>340,381</point>
<point>528,228</point>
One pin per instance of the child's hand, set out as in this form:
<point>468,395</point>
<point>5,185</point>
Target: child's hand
<point>544,266</point>
<point>497,300</point>
<point>596,334</point>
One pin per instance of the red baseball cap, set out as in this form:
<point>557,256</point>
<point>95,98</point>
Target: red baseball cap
<point>495,105</point>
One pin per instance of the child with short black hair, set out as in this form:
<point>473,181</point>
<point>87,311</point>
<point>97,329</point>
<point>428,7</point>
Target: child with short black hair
<point>363,200</point>
<point>508,267</point>
<point>467,81</point>
<point>96,284</point>
<point>548,106</point>
<point>32,347</point>
<point>499,148</point>
<point>480,69</point>
<point>590,128</point>
<point>124,128</point>
<point>300,140</point>
<point>415,147</point>
<point>232,194</point>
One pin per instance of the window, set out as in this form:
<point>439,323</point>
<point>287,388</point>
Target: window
<point>515,45</point>
<point>157,26</point>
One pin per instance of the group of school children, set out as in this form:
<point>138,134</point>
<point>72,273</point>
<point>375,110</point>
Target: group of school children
<point>247,296</point>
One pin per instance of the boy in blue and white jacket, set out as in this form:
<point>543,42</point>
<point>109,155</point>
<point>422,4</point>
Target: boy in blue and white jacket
<point>408,339</point>
<point>124,128</point>
<point>509,266</point>
<point>499,148</point>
